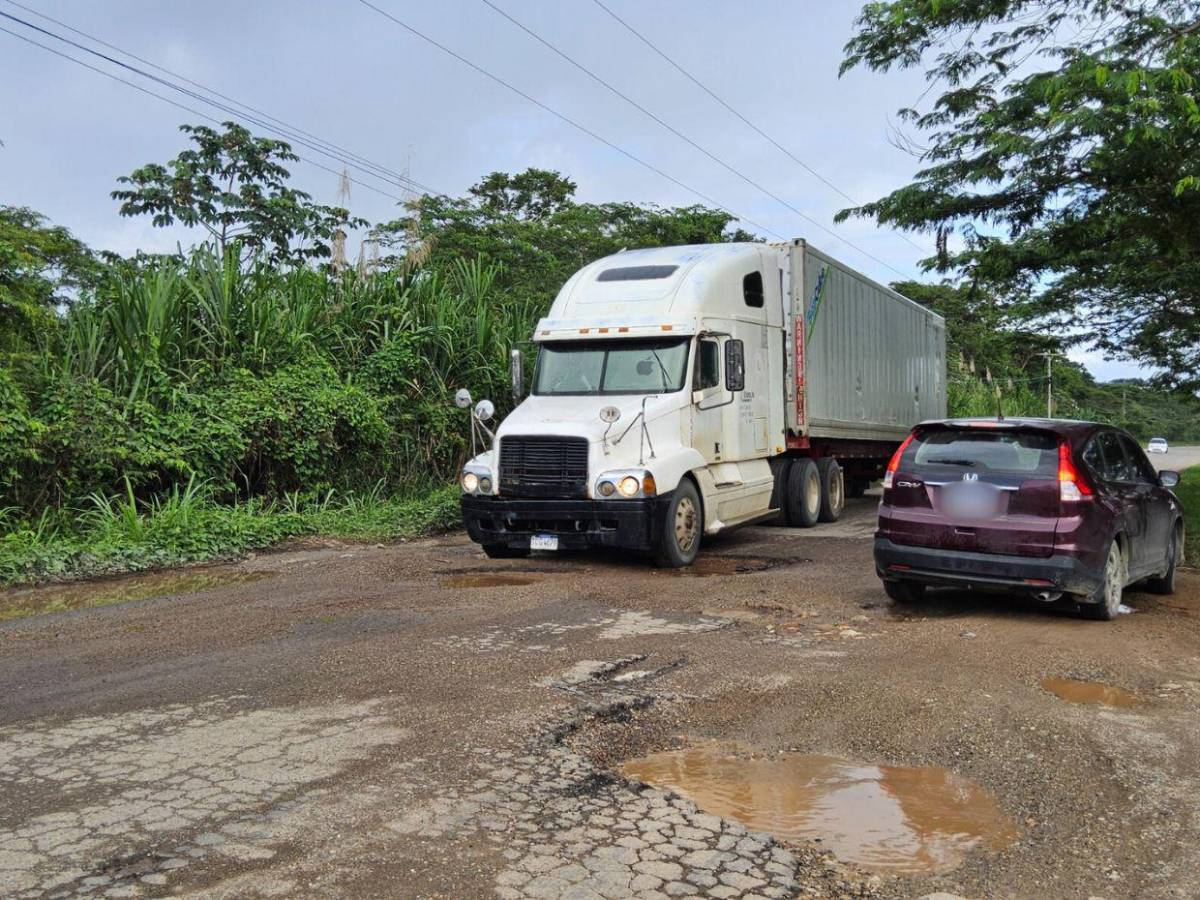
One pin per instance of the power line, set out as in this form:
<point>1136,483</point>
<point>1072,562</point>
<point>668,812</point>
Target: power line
<point>177,104</point>
<point>683,137</point>
<point>778,146</point>
<point>565,118</point>
<point>392,180</point>
<point>293,128</point>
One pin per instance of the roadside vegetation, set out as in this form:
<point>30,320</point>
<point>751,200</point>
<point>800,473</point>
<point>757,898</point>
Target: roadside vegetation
<point>261,387</point>
<point>1188,492</point>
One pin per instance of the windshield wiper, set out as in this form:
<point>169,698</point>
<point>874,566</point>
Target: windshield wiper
<point>661,368</point>
<point>970,463</point>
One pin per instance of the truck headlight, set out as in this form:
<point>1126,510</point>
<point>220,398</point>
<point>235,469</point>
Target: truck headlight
<point>626,484</point>
<point>470,482</point>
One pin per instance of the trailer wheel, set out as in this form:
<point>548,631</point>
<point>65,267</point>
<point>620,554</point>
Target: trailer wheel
<point>833,493</point>
<point>803,494</point>
<point>779,491</point>
<point>682,527</point>
<point>856,486</point>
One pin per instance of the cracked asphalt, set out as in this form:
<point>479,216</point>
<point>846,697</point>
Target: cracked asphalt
<point>415,720</point>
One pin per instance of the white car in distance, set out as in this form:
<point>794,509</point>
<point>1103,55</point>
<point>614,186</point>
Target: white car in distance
<point>1157,445</point>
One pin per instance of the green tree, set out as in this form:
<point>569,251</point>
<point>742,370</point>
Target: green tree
<point>1064,151</point>
<point>235,186</point>
<point>531,225</point>
<point>41,268</point>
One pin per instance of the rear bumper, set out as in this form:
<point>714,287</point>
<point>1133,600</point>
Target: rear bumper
<point>985,571</point>
<point>578,524</point>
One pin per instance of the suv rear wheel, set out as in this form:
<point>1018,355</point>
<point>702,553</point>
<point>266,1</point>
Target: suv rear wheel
<point>904,591</point>
<point>1105,601</point>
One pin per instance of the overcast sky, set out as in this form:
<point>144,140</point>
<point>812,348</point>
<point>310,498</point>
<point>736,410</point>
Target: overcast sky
<point>340,71</point>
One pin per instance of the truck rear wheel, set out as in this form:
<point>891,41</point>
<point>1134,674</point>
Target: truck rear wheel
<point>833,490</point>
<point>684,522</point>
<point>856,486</point>
<point>803,494</point>
<point>779,491</point>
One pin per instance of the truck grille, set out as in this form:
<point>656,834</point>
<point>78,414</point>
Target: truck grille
<point>543,466</point>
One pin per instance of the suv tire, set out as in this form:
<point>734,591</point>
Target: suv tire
<point>1165,583</point>
<point>1104,603</point>
<point>904,591</point>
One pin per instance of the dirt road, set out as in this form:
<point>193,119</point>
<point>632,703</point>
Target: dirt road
<point>418,721</point>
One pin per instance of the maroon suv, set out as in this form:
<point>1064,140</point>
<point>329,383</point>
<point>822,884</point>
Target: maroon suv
<point>1046,507</point>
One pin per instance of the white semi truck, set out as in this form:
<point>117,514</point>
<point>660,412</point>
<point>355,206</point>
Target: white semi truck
<point>681,391</point>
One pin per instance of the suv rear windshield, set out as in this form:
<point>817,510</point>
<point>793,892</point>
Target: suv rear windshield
<point>985,452</point>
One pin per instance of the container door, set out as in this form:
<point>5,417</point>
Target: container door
<point>988,490</point>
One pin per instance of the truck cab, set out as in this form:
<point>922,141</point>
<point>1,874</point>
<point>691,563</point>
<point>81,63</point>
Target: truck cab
<point>661,409</point>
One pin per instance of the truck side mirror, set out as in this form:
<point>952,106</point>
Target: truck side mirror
<point>735,366</point>
<point>516,373</point>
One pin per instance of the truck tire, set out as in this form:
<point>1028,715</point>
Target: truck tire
<point>833,489</point>
<point>803,494</point>
<point>682,526</point>
<point>856,486</point>
<point>779,492</point>
<point>503,551</point>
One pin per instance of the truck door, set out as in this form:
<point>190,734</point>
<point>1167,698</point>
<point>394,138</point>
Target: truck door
<point>710,400</point>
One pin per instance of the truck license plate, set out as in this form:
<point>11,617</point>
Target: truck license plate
<point>543,542</point>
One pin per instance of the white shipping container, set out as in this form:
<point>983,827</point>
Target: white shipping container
<point>864,362</point>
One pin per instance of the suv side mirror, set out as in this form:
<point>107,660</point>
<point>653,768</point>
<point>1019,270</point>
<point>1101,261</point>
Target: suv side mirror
<point>1168,478</point>
<point>735,366</point>
<point>516,373</point>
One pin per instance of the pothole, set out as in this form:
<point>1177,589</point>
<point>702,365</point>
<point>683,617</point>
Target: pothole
<point>893,819</point>
<point>708,566</point>
<point>84,595</point>
<point>1093,692</point>
<point>487,580</point>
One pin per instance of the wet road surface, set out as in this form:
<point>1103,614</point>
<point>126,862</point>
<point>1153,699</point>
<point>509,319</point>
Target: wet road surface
<point>419,721</point>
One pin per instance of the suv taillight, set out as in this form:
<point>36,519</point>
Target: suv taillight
<point>1072,486</point>
<point>894,463</point>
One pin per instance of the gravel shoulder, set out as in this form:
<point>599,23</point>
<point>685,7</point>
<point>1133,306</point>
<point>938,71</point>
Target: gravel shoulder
<point>363,721</point>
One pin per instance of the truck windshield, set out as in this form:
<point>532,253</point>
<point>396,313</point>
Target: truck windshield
<point>612,367</point>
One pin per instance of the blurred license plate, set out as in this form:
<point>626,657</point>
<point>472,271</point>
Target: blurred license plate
<point>543,542</point>
<point>972,501</point>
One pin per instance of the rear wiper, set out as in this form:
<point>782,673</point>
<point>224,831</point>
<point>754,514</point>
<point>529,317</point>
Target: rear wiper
<point>970,463</point>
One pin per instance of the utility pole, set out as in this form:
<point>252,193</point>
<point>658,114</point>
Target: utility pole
<point>1049,355</point>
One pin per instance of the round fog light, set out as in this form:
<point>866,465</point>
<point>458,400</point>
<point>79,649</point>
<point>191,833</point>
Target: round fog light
<point>607,489</point>
<point>485,485</point>
<point>470,482</point>
<point>630,486</point>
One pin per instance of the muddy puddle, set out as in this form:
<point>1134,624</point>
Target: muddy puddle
<point>708,566</point>
<point>17,604</point>
<point>1093,692</point>
<point>486,580</point>
<point>892,819</point>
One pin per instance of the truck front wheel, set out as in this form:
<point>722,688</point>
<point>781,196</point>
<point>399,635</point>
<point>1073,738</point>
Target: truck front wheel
<point>680,539</point>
